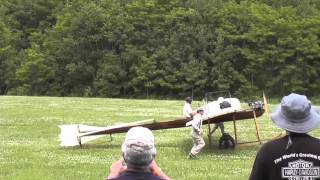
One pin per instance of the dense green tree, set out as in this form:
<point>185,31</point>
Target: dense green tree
<point>35,76</point>
<point>28,16</point>
<point>8,58</point>
<point>159,48</point>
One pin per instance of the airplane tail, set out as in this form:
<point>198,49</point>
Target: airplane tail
<point>71,135</point>
<point>78,134</point>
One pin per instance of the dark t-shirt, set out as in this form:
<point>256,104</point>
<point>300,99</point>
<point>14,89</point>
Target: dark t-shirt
<point>298,161</point>
<point>134,175</point>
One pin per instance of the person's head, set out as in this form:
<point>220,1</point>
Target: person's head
<point>188,100</point>
<point>295,114</point>
<point>138,149</point>
<point>200,111</point>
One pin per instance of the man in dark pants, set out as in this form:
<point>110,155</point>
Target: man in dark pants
<point>296,155</point>
<point>223,104</point>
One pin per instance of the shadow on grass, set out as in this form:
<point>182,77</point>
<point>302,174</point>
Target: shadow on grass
<point>95,145</point>
<point>214,149</point>
<point>184,144</point>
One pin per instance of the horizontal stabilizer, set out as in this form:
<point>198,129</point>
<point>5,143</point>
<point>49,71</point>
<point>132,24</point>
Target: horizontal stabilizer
<point>77,134</point>
<point>86,128</point>
<point>73,134</point>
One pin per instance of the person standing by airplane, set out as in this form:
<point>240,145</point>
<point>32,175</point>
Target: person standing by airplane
<point>223,104</point>
<point>196,134</point>
<point>187,109</point>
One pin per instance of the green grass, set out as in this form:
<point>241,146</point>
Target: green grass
<point>29,147</point>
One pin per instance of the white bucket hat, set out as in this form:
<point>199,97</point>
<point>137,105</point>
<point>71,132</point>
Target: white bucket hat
<point>295,114</point>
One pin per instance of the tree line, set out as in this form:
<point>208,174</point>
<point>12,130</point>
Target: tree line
<point>159,48</point>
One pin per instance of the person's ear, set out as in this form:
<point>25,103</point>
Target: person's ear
<point>153,158</point>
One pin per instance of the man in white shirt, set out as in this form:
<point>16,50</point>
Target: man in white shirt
<point>187,109</point>
<point>197,139</point>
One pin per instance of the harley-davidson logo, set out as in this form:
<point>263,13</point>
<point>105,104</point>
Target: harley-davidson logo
<point>300,170</point>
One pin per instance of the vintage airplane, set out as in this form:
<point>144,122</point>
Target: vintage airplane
<point>77,134</point>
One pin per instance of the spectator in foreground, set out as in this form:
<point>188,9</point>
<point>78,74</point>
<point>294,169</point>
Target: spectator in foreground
<point>296,155</point>
<point>138,151</point>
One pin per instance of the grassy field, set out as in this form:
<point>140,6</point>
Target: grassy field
<point>29,147</point>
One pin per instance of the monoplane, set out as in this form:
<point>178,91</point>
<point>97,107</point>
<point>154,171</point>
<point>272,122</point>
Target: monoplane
<point>78,134</point>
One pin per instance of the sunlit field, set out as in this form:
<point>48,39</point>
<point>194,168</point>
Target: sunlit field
<point>29,146</point>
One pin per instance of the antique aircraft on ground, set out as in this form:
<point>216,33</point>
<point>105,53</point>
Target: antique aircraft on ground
<point>77,134</point>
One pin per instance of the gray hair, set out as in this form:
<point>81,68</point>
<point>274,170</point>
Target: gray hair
<point>138,148</point>
<point>139,158</point>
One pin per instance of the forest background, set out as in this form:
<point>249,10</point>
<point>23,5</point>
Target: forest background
<point>159,48</point>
